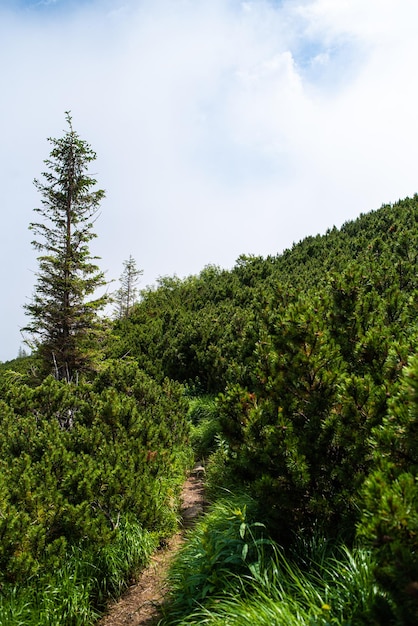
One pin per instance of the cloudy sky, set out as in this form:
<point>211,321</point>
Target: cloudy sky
<point>222,127</point>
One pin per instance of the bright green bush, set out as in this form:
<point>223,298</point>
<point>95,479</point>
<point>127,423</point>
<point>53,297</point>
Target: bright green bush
<point>76,459</point>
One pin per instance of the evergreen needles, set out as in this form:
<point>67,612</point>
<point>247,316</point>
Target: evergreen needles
<point>64,324</point>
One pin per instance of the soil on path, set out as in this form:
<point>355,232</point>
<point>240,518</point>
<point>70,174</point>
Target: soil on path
<point>140,605</point>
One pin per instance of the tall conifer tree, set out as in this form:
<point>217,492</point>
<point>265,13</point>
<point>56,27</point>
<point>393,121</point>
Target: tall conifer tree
<point>126,295</point>
<point>65,323</point>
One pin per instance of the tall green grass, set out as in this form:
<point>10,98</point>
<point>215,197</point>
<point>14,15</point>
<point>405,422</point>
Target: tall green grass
<point>209,447</point>
<point>229,574</point>
<point>204,420</point>
<point>76,593</point>
<point>220,550</point>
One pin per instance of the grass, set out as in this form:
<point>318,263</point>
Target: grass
<point>74,594</point>
<point>229,574</point>
<point>203,416</point>
<point>221,548</point>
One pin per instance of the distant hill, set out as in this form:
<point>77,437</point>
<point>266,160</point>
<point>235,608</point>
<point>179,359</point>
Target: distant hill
<point>202,328</point>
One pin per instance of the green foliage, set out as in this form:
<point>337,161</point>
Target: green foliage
<point>76,459</point>
<point>126,296</point>
<point>73,593</point>
<point>285,435</point>
<point>23,370</point>
<point>228,574</point>
<point>390,508</point>
<point>227,542</point>
<point>338,591</point>
<point>207,326</point>
<point>205,427</point>
<point>64,324</point>
<point>188,330</point>
<point>315,418</point>
<point>306,350</point>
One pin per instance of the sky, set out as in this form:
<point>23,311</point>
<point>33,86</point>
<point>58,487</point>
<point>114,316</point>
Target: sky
<point>221,127</point>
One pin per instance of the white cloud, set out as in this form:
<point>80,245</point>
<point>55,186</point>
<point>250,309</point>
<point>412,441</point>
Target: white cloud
<point>221,127</point>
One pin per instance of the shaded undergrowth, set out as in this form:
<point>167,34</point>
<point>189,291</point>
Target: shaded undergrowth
<point>229,573</point>
<point>75,593</point>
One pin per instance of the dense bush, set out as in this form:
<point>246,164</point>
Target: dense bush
<point>76,591</point>
<point>315,417</point>
<point>298,434</point>
<point>306,351</point>
<point>76,459</point>
<point>389,522</point>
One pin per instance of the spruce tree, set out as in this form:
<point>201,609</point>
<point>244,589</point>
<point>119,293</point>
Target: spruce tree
<point>126,295</point>
<point>65,323</point>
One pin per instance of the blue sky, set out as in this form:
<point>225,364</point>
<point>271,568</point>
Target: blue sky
<point>37,5</point>
<point>222,127</point>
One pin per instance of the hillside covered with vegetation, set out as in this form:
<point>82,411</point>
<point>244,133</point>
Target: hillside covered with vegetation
<point>312,357</point>
<point>293,378</point>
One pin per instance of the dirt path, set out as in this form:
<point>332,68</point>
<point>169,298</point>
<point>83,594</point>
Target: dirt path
<point>140,604</point>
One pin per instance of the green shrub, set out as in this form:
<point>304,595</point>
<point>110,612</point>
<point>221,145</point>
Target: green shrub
<point>78,462</point>
<point>204,418</point>
<point>389,521</point>
<point>74,593</point>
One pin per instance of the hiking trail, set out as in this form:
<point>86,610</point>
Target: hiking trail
<point>141,602</point>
